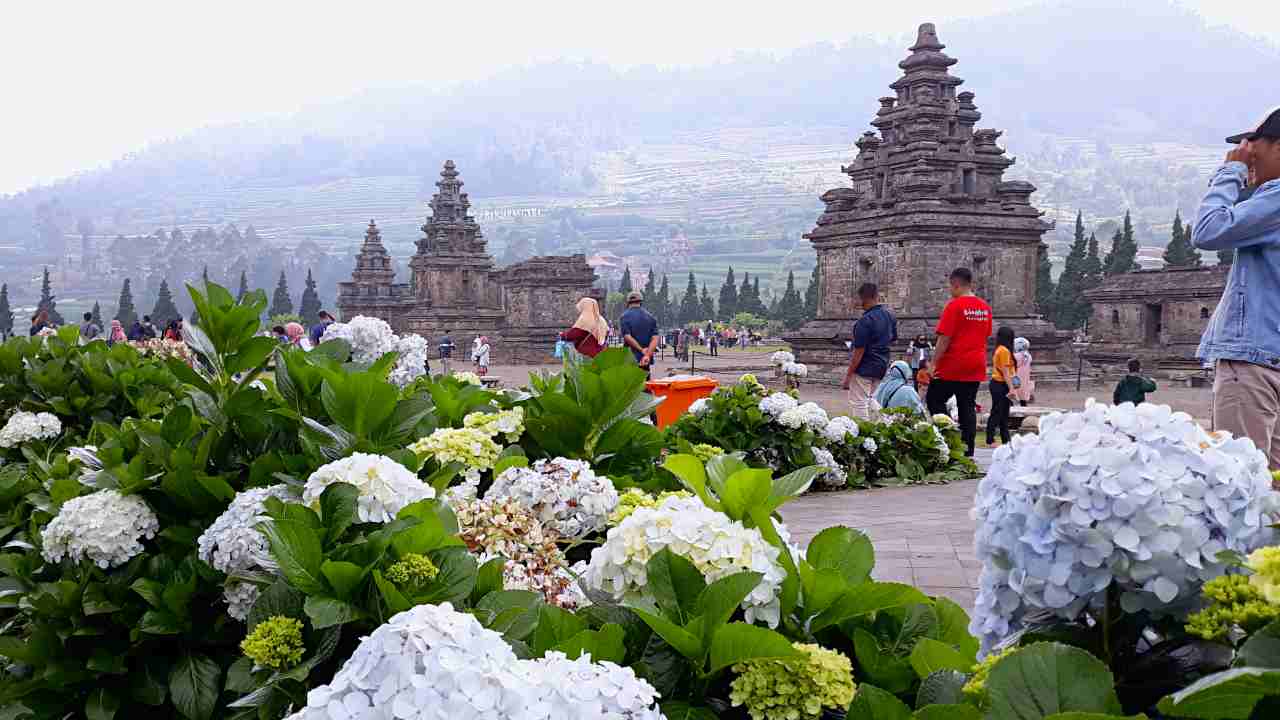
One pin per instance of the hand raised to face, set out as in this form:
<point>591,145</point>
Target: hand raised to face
<point>1242,153</point>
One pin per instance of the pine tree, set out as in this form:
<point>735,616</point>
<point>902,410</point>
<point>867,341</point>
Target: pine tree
<point>165,310</point>
<point>280,302</point>
<point>48,301</point>
<point>1227,256</point>
<point>651,290</point>
<point>690,307</point>
<point>624,286</point>
<point>1180,252</point>
<point>1123,257</point>
<point>662,308</point>
<point>728,297</point>
<point>791,307</point>
<point>96,314</point>
<point>1069,306</point>
<point>708,306</point>
<point>757,303</point>
<point>811,295</point>
<point>125,312</point>
<point>6,313</point>
<point>244,285</point>
<point>1092,269</point>
<point>1044,282</point>
<point>310,307</point>
<point>745,305</point>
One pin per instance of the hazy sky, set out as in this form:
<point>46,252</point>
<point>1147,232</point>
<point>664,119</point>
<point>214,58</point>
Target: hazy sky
<point>86,82</point>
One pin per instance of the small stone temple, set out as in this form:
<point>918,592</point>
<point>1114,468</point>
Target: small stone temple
<point>927,196</point>
<point>456,288</point>
<point>1156,316</point>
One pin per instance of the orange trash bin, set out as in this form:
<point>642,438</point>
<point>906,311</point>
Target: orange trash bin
<point>678,393</point>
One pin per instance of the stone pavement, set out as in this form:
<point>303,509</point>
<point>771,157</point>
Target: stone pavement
<point>922,534</point>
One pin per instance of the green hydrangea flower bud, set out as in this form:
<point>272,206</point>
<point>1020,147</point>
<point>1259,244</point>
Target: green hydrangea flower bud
<point>975,690</point>
<point>1238,605</point>
<point>275,643</point>
<point>794,688</point>
<point>413,570</point>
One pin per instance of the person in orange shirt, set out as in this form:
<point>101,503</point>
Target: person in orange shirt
<point>1004,377</point>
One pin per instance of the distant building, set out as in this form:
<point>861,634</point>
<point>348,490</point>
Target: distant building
<point>455,287</point>
<point>1155,315</point>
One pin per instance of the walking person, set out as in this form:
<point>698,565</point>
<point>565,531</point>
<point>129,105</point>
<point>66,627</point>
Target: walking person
<point>640,332</point>
<point>1024,389</point>
<point>960,360</point>
<point>713,344</point>
<point>1242,338</point>
<point>874,332</point>
<point>480,355</point>
<point>1004,376</point>
<point>1133,388</point>
<point>590,331</point>
<point>89,330</point>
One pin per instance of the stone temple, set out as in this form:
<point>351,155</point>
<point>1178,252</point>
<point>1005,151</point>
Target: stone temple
<point>927,196</point>
<point>456,288</point>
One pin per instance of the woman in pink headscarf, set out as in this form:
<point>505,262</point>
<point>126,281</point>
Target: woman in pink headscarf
<point>590,331</point>
<point>295,332</point>
<point>117,333</point>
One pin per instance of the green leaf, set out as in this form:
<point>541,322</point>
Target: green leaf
<point>554,626</point>
<point>953,628</point>
<point>944,687</point>
<point>240,676</point>
<point>1047,678</point>
<point>843,549</point>
<point>338,509</point>
<point>606,644</point>
<point>95,600</point>
<point>947,712</point>
<point>1262,649</point>
<point>457,577</point>
<point>684,711</point>
<point>744,490</point>
<point>1230,694</point>
<point>345,577</point>
<point>930,656</point>
<point>489,579</point>
<point>872,703</point>
<point>1093,716</point>
<point>296,549</point>
<point>691,472</point>
<point>881,666</point>
<point>737,642</point>
<point>278,599</point>
<point>327,612</point>
<point>868,598</point>
<point>101,705</point>
<point>792,485</point>
<point>194,684</point>
<point>395,600</point>
<point>684,642</point>
<point>675,584</point>
<point>721,599</point>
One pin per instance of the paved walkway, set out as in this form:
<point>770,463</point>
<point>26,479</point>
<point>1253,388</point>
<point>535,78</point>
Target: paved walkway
<point>922,534</point>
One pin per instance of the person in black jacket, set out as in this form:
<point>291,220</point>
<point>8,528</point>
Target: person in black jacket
<point>1133,387</point>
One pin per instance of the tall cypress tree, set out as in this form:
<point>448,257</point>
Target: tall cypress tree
<point>125,311</point>
<point>281,304</point>
<point>1092,269</point>
<point>625,286</point>
<point>6,313</point>
<point>791,307</point>
<point>1123,257</point>
<point>48,301</point>
<point>811,295</point>
<point>1069,311</point>
<point>745,305</point>
<point>165,309</point>
<point>728,297</point>
<point>96,313</point>
<point>244,285</point>
<point>310,307</point>
<point>662,309</point>
<point>1044,282</point>
<point>708,306</point>
<point>757,303</point>
<point>690,307</point>
<point>1180,252</point>
<point>651,289</point>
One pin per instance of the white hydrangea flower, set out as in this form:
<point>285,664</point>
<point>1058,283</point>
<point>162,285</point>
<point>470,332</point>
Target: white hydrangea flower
<point>943,421</point>
<point>870,445</point>
<point>840,430</point>
<point>411,363</point>
<point>385,485</point>
<point>1139,496</point>
<point>507,423</point>
<point>781,358</point>
<point>836,476</point>
<point>105,527</point>
<point>940,442</point>
<point>434,663</point>
<point>534,560</point>
<point>566,495</point>
<point>234,543</point>
<point>808,415</point>
<point>716,545</point>
<point>468,377</point>
<point>240,598</point>
<point>777,403</point>
<point>795,369</point>
<point>25,426</point>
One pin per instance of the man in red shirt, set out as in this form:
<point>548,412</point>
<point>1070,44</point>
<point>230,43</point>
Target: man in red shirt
<point>960,363</point>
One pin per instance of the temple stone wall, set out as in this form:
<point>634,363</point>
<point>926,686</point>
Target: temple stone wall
<point>1157,316</point>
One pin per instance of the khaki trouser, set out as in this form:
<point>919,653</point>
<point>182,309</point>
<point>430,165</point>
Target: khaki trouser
<point>861,392</point>
<point>1246,401</point>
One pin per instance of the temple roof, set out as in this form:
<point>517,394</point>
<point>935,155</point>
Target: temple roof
<point>1153,286</point>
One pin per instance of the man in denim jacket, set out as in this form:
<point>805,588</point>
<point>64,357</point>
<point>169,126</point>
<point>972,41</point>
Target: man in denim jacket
<point>1243,337</point>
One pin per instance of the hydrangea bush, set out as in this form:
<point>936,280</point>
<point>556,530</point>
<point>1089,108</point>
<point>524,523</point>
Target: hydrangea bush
<point>235,544</point>
<point>103,527</point>
<point>564,494</point>
<point>532,556</point>
<point>371,338</point>
<point>24,427</point>
<point>1136,500</point>
<point>385,486</point>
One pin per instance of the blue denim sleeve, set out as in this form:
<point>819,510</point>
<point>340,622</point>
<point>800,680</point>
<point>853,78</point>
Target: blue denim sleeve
<point>1221,223</point>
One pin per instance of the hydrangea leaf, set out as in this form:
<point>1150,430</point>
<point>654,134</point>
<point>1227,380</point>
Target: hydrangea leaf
<point>345,577</point>
<point>327,612</point>
<point>953,627</point>
<point>194,684</point>
<point>930,656</point>
<point>872,703</point>
<point>685,711</point>
<point>1047,678</point>
<point>944,687</point>
<point>744,490</point>
<point>947,712</point>
<point>843,549</point>
<point>717,603</point>
<point>604,645</point>
<point>338,509</point>
<point>456,579</point>
<point>868,598</point>
<point>1262,649</point>
<point>296,549</point>
<point>685,642</point>
<point>1228,695</point>
<point>279,598</point>
<point>675,584</point>
<point>737,642</point>
<point>554,626</point>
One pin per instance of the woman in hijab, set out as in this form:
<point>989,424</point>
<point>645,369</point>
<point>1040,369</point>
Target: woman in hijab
<point>295,332</point>
<point>40,321</point>
<point>590,331</point>
<point>117,333</point>
<point>897,391</point>
<point>1025,389</point>
<point>480,355</point>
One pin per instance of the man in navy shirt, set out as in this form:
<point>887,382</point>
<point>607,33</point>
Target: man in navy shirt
<point>874,332</point>
<point>640,331</point>
<point>317,330</point>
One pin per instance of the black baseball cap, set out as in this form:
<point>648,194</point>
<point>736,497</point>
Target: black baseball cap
<point>1269,127</point>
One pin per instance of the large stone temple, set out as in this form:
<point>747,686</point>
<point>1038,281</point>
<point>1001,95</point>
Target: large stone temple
<point>456,289</point>
<point>927,196</point>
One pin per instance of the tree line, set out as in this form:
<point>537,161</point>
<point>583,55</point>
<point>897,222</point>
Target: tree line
<point>696,305</point>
